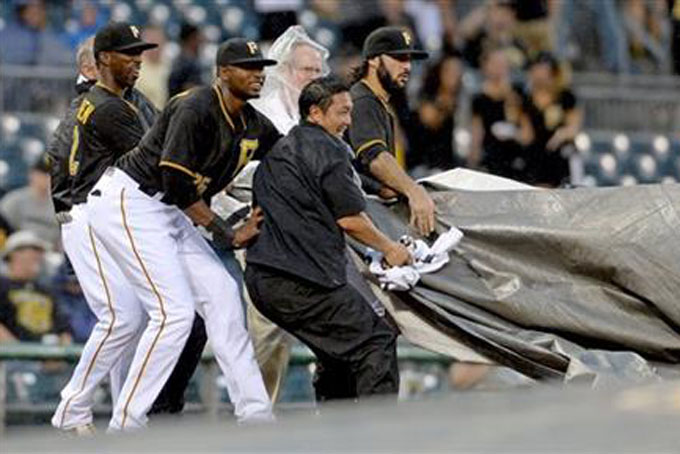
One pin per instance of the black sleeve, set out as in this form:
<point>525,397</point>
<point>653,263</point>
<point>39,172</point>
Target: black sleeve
<point>179,188</point>
<point>270,135</point>
<point>368,133</point>
<point>340,192</point>
<point>185,139</point>
<point>118,126</point>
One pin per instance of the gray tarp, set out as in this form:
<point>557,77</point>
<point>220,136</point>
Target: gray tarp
<point>574,283</point>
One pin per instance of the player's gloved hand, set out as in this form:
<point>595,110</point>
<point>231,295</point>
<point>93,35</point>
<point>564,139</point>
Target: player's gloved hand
<point>248,231</point>
<point>422,210</point>
<point>222,233</point>
<point>397,255</point>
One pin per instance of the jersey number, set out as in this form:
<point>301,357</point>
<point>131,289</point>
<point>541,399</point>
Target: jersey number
<point>84,111</point>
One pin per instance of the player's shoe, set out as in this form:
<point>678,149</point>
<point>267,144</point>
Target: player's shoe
<point>84,431</point>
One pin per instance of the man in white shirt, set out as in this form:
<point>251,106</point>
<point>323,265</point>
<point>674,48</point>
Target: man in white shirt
<point>301,60</point>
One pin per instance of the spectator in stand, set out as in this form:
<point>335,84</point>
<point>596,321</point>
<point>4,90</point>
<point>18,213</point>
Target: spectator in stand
<point>30,208</point>
<point>186,71</point>
<point>435,23</point>
<point>499,126</point>
<point>364,17</point>
<point>608,26</point>
<point>29,41</point>
<point>555,119</point>
<point>430,131</point>
<point>649,32</point>
<point>72,303</point>
<point>492,26</point>
<point>88,16</point>
<point>153,77</point>
<point>533,28</point>
<point>28,312</point>
<point>276,16</point>
<point>394,13</point>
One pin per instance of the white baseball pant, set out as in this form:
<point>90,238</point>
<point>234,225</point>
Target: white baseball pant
<point>120,318</point>
<point>173,271</point>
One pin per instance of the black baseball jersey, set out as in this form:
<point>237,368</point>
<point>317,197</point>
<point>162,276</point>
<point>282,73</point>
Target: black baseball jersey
<point>107,126</point>
<point>196,137</point>
<point>58,151</point>
<point>373,125</point>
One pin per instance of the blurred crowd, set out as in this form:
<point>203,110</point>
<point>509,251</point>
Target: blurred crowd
<point>40,298</point>
<point>500,68</point>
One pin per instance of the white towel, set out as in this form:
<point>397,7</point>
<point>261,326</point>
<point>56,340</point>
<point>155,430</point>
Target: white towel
<point>426,259</point>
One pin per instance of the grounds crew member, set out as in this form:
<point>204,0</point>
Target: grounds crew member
<point>296,268</point>
<point>145,211</point>
<point>300,60</point>
<point>384,72</point>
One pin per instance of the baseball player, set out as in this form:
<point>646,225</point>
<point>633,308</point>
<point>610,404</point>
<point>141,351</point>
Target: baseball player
<point>384,72</point>
<point>145,211</point>
<point>104,292</point>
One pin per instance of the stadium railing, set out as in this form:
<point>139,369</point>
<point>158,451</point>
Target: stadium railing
<point>210,394</point>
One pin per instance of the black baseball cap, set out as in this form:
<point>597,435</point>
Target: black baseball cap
<point>120,37</point>
<point>392,41</point>
<point>240,51</point>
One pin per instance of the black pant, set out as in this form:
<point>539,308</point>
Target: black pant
<point>355,348</point>
<point>171,398</point>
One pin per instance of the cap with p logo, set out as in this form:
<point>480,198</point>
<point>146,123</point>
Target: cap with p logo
<point>239,51</point>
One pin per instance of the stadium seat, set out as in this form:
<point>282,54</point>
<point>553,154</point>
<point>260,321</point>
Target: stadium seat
<point>10,125</point>
<point>627,180</point>
<point>607,170</point>
<point>646,168</point>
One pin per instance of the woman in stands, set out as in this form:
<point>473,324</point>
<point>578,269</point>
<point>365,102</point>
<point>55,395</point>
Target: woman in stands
<point>556,120</point>
<point>430,131</point>
<point>499,126</point>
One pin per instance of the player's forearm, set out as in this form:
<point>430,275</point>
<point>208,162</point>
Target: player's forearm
<point>361,228</point>
<point>200,213</point>
<point>386,169</point>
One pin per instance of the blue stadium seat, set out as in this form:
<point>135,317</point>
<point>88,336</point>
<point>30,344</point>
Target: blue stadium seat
<point>607,169</point>
<point>646,168</point>
<point>627,180</point>
<point>10,126</point>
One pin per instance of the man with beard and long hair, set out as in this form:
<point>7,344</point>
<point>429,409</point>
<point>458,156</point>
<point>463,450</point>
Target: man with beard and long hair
<point>379,80</point>
<point>146,209</point>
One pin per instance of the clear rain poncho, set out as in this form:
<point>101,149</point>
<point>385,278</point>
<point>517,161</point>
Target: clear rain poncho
<point>278,100</point>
